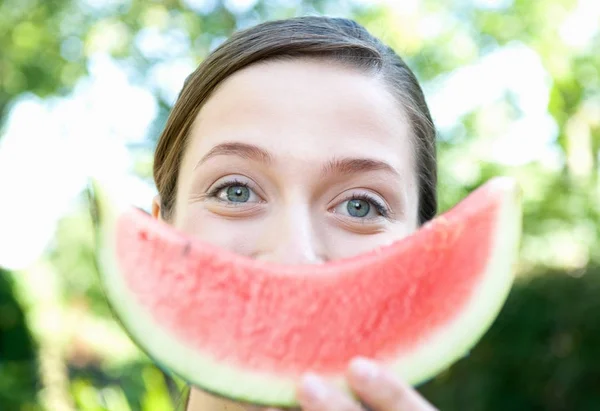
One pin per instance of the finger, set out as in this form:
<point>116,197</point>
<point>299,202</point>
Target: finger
<point>380,390</point>
<point>315,394</point>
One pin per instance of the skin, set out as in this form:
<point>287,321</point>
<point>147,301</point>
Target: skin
<point>303,162</point>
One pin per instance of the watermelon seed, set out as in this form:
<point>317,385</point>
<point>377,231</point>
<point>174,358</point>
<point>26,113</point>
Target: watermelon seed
<point>186,249</point>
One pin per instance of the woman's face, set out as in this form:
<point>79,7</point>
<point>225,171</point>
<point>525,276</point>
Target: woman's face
<point>299,162</point>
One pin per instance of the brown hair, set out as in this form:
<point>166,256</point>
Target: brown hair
<point>334,39</point>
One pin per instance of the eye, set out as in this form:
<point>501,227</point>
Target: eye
<point>358,208</point>
<point>361,207</point>
<point>235,192</point>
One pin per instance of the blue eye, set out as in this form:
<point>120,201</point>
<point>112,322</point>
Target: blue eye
<point>234,192</point>
<point>358,208</point>
<point>237,194</point>
<point>362,206</point>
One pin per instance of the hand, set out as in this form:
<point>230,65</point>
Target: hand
<point>375,387</point>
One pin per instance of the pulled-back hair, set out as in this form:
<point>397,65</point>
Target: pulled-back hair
<point>333,39</point>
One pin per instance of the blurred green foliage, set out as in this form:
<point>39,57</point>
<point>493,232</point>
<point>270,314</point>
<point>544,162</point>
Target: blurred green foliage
<point>18,362</point>
<point>542,353</point>
<point>60,347</point>
<point>40,43</point>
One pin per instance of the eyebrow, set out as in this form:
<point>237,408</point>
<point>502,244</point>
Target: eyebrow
<point>334,166</point>
<point>355,165</point>
<point>243,150</point>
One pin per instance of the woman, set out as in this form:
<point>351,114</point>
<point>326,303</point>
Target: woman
<point>301,141</point>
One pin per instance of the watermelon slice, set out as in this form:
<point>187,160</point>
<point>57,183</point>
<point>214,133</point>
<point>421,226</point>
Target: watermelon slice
<point>246,329</point>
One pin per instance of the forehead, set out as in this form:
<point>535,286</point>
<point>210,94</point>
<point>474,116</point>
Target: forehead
<point>306,109</point>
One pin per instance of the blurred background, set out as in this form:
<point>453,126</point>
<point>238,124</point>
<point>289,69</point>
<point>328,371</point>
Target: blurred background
<point>514,86</point>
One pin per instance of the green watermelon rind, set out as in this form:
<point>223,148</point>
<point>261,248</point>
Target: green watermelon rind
<point>432,357</point>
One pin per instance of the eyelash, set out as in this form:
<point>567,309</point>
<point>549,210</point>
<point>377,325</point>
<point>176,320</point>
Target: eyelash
<point>215,191</point>
<point>379,206</point>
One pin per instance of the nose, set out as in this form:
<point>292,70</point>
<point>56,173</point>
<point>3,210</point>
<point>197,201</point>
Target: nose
<point>290,238</point>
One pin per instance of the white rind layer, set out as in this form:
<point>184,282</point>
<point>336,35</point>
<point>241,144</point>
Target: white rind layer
<point>440,350</point>
<point>456,339</point>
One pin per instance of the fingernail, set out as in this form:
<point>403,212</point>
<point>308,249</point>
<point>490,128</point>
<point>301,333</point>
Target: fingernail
<point>364,369</point>
<point>314,388</point>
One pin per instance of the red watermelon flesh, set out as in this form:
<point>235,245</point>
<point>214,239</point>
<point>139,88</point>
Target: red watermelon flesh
<point>247,329</point>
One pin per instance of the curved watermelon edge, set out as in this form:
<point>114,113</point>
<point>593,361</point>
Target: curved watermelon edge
<point>486,302</point>
<point>105,208</point>
<point>282,389</point>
